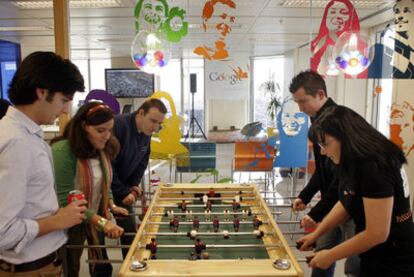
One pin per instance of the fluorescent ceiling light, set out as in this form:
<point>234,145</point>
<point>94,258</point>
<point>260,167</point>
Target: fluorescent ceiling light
<point>25,28</point>
<point>48,4</point>
<point>368,4</point>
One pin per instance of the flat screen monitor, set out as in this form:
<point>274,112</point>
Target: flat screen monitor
<point>129,83</point>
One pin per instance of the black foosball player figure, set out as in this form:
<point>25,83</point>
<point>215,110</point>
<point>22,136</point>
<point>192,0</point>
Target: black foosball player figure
<point>236,223</point>
<point>183,206</point>
<point>196,223</point>
<point>216,224</point>
<point>199,246</point>
<point>152,247</point>
<point>256,222</point>
<point>174,223</point>
<point>235,205</point>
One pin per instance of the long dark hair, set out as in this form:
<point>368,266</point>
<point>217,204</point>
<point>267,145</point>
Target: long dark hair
<point>92,113</point>
<point>359,140</point>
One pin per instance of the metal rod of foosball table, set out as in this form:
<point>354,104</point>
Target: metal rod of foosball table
<point>216,206</point>
<point>207,234</point>
<point>218,246</point>
<point>211,213</point>
<point>97,246</point>
<point>199,198</point>
<point>202,223</point>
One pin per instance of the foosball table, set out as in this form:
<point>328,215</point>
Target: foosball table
<point>209,230</point>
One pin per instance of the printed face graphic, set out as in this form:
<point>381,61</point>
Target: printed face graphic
<point>338,14</point>
<point>226,19</point>
<point>402,126</point>
<point>153,12</point>
<point>404,17</point>
<point>292,120</point>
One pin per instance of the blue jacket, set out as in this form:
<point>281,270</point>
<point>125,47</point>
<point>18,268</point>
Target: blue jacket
<point>132,160</point>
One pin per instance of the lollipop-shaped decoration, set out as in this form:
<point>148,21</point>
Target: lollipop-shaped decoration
<point>352,53</point>
<point>149,51</point>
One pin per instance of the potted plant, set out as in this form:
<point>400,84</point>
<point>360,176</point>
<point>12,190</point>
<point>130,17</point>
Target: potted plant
<point>272,88</point>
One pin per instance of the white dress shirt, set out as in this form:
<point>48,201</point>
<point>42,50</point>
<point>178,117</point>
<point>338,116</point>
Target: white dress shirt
<point>27,190</point>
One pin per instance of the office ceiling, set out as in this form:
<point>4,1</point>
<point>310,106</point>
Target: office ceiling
<point>105,28</point>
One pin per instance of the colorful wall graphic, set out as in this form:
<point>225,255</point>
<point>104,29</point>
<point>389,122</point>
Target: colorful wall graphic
<point>224,9</point>
<point>293,132</point>
<point>394,52</point>
<point>167,143</point>
<point>339,17</point>
<point>402,126</point>
<point>156,16</point>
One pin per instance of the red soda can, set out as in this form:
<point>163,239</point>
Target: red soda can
<point>75,195</point>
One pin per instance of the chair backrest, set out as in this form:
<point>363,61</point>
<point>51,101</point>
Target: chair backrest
<point>253,156</point>
<point>105,97</point>
<point>201,157</point>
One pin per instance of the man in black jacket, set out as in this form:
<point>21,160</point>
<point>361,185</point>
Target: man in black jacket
<point>133,132</point>
<point>309,91</point>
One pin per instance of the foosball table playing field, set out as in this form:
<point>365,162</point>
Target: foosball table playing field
<point>209,230</point>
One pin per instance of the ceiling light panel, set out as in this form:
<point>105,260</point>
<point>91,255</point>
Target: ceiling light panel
<point>47,4</point>
<point>368,4</point>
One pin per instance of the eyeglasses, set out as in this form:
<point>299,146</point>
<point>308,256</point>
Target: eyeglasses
<point>97,108</point>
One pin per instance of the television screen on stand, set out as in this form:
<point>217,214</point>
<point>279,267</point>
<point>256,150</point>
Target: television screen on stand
<point>129,83</point>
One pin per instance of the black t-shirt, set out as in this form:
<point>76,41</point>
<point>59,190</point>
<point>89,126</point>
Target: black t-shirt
<point>371,181</point>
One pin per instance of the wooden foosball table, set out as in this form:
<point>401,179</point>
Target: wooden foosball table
<point>209,230</point>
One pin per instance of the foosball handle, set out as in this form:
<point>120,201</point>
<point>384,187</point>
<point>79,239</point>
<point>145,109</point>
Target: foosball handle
<point>299,245</point>
<point>309,259</point>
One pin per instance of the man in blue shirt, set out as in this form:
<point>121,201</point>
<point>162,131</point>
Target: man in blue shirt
<point>133,132</point>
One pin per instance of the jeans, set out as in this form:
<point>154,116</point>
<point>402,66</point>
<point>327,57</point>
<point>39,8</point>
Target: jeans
<point>129,225</point>
<point>331,239</point>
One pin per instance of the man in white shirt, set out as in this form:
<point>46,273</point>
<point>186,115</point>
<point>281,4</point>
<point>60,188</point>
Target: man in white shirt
<point>31,223</point>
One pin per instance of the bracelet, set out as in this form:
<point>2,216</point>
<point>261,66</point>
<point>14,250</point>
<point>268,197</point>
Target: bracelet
<point>100,225</point>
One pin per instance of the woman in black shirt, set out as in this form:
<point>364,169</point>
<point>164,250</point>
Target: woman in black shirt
<point>373,190</point>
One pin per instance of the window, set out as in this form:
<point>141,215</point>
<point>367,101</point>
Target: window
<point>266,69</point>
<point>170,82</point>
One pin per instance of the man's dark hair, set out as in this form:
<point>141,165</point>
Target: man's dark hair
<point>311,82</point>
<point>44,70</point>
<point>153,103</point>
<point>92,114</point>
<point>4,106</point>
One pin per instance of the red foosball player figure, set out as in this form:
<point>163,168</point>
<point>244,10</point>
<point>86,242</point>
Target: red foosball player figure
<point>208,205</point>
<point>216,224</point>
<point>236,223</point>
<point>152,247</point>
<point>174,223</point>
<point>256,222</point>
<point>211,192</point>
<point>196,223</point>
<point>183,206</point>
<point>207,214</point>
<point>199,246</point>
<point>235,205</point>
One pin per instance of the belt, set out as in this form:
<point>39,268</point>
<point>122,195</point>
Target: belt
<point>30,266</point>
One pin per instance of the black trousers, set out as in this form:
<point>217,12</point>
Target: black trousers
<point>129,225</point>
<point>71,257</point>
<point>393,267</point>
